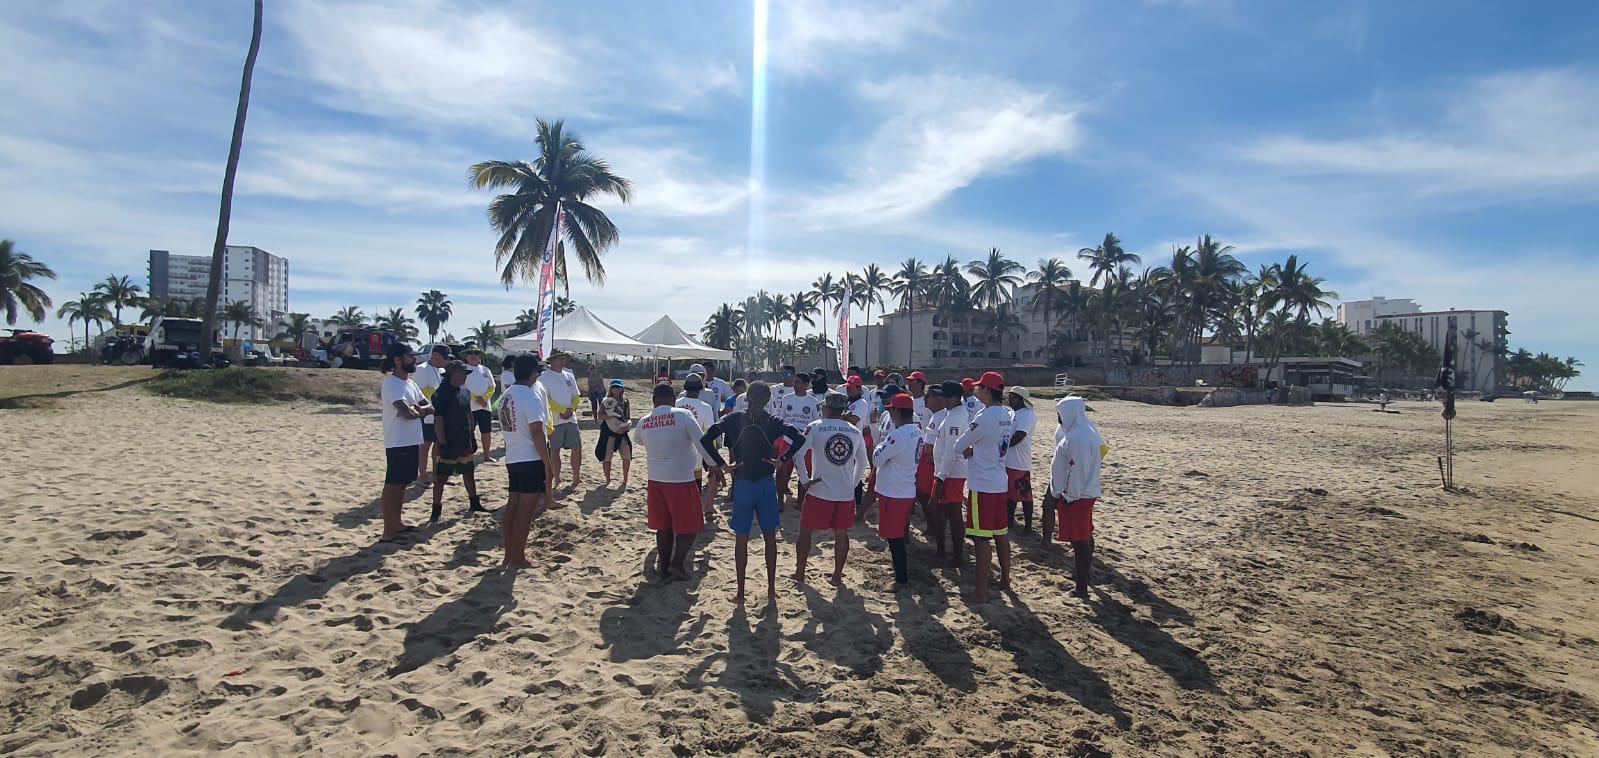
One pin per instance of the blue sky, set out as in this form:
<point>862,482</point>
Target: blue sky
<point>1440,151</point>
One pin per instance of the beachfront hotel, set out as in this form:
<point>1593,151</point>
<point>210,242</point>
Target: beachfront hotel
<point>927,338</point>
<point>1476,369</point>
<point>248,273</point>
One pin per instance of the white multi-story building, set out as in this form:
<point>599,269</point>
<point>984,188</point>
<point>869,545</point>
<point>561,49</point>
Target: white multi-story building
<point>1360,316</point>
<point>926,338</point>
<point>1480,342</point>
<point>248,273</point>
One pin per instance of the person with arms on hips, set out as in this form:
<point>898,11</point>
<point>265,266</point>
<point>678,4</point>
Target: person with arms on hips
<point>616,423</point>
<point>480,384</point>
<point>984,444</point>
<point>799,409</point>
<point>524,412</point>
<point>596,388</point>
<point>896,461</point>
<point>693,401</point>
<point>1074,484</point>
<point>429,377</point>
<point>750,437</point>
<point>830,464</point>
<point>949,475</point>
<point>1019,457</point>
<point>671,436</point>
<point>403,410</point>
<point>457,447</point>
<point>560,387</point>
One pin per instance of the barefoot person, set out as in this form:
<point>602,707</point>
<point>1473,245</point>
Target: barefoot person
<point>403,409</point>
<point>453,426</point>
<point>523,413</point>
<point>560,387</point>
<point>480,384</point>
<point>616,422</point>
<point>949,475</point>
<point>1074,484</point>
<point>896,460</point>
<point>1019,457</point>
<point>984,444</point>
<point>694,400</point>
<point>749,437</point>
<point>429,377</point>
<point>830,465</point>
<point>671,436</point>
<point>799,409</point>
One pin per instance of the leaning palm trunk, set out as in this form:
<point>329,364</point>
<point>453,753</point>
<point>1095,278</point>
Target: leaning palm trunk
<point>213,288</point>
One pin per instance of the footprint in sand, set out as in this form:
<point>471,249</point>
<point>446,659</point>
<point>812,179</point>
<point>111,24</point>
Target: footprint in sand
<point>213,561</point>
<point>142,689</point>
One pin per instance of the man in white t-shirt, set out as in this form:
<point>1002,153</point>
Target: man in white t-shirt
<point>830,465</point>
<point>1019,457</point>
<point>524,411</point>
<point>694,401</point>
<point>896,460</point>
<point>949,469</point>
<point>560,387</point>
<point>429,377</point>
<point>719,389</point>
<point>984,444</point>
<point>798,409</point>
<point>403,409</point>
<point>480,384</point>
<point>671,436</point>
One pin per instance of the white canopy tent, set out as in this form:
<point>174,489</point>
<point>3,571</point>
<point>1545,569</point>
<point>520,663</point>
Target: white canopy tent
<point>671,341</point>
<point>582,332</point>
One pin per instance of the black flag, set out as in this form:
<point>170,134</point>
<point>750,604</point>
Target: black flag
<point>1446,374</point>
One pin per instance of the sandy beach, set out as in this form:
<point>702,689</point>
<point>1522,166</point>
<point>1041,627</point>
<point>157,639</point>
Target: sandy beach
<point>183,577</point>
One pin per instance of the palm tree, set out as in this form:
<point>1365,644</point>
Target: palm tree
<point>396,321</point>
<point>1052,274</point>
<point>88,307</point>
<point>780,309</point>
<point>1298,293</point>
<point>1109,304</point>
<point>563,305</point>
<point>117,292</point>
<point>295,327</point>
<point>909,282</point>
<point>484,336</point>
<point>433,307</point>
<point>994,278</point>
<point>724,326</point>
<point>150,309</point>
<point>829,292</point>
<point>241,314</point>
<point>1106,259</point>
<point>350,316</point>
<point>179,307</point>
<point>16,294</point>
<point>213,290</point>
<point>867,288</point>
<point>564,176</point>
<point>527,320</point>
<point>801,307</point>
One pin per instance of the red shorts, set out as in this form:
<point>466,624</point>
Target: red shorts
<point>954,491</point>
<point>817,513</point>
<point>1075,520</point>
<point>778,449</point>
<point>674,507</point>
<point>987,514</point>
<point>924,473</point>
<point>1021,484</point>
<point>893,516</point>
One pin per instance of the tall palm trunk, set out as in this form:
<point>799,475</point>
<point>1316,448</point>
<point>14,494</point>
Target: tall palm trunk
<point>213,288</point>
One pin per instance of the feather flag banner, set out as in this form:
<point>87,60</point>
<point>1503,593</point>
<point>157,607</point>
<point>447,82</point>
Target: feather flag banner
<point>546,333</point>
<point>843,330</point>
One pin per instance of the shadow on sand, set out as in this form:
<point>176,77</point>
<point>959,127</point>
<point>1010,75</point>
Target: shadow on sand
<point>843,631</point>
<point>928,640</point>
<point>650,623</point>
<point>1039,655</point>
<point>752,669</point>
<point>69,393</point>
<point>1154,644</point>
<point>457,622</point>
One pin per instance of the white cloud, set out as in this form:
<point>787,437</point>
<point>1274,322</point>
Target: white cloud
<point>669,179</point>
<point>808,36</point>
<point>359,168</point>
<point>942,133</point>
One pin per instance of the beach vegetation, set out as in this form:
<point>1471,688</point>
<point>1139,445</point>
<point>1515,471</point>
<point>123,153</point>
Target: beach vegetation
<point>18,293</point>
<point>433,307</point>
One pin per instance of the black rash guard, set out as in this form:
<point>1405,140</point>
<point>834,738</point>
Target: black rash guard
<point>750,453</point>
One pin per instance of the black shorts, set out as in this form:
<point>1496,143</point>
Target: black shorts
<point>402,464</point>
<point>527,477</point>
<point>428,433</point>
<point>484,421</point>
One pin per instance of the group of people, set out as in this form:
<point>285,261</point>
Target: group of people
<point>960,450</point>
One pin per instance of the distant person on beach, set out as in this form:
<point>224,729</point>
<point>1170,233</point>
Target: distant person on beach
<point>507,374</point>
<point>524,412</point>
<point>1019,456</point>
<point>984,445</point>
<point>671,435</point>
<point>749,437</point>
<point>480,385</point>
<point>453,425</point>
<point>429,377</point>
<point>949,473</point>
<point>1074,485</point>
<point>896,461</point>
<point>560,387</point>
<point>616,425</point>
<point>596,389</point>
<point>830,465</point>
<point>973,405</point>
<point>403,410</point>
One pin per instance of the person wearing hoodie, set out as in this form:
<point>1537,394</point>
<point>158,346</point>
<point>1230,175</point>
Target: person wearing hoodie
<point>1074,484</point>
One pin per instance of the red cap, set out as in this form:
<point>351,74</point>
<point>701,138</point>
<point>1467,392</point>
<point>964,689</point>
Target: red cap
<point>992,380</point>
<point>853,381</point>
<point>879,372</point>
<point>902,401</point>
<point>917,376</point>
<point>968,383</point>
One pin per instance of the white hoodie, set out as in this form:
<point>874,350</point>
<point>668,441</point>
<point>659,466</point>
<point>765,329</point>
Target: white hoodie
<point>1074,475</point>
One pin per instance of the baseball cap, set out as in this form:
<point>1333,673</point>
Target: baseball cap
<point>905,402</point>
<point>950,388</point>
<point>968,383</point>
<point>992,380</point>
<point>454,366</point>
<point>558,353</point>
<point>853,381</point>
<point>693,382</point>
<point>1021,392</point>
<point>890,390</point>
<point>835,401</point>
<point>698,368</point>
<point>618,383</point>
<point>398,350</point>
<point>896,378</point>
<point>917,376</point>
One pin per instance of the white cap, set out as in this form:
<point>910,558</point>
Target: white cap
<point>697,369</point>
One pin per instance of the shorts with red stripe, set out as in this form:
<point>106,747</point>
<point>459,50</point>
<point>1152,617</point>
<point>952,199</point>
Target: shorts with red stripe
<point>893,516</point>
<point>1021,485</point>
<point>674,507</point>
<point>817,513</point>
<point>954,491</point>
<point>987,514</point>
<point>1075,520</point>
<point>779,448</point>
<point>924,473</point>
